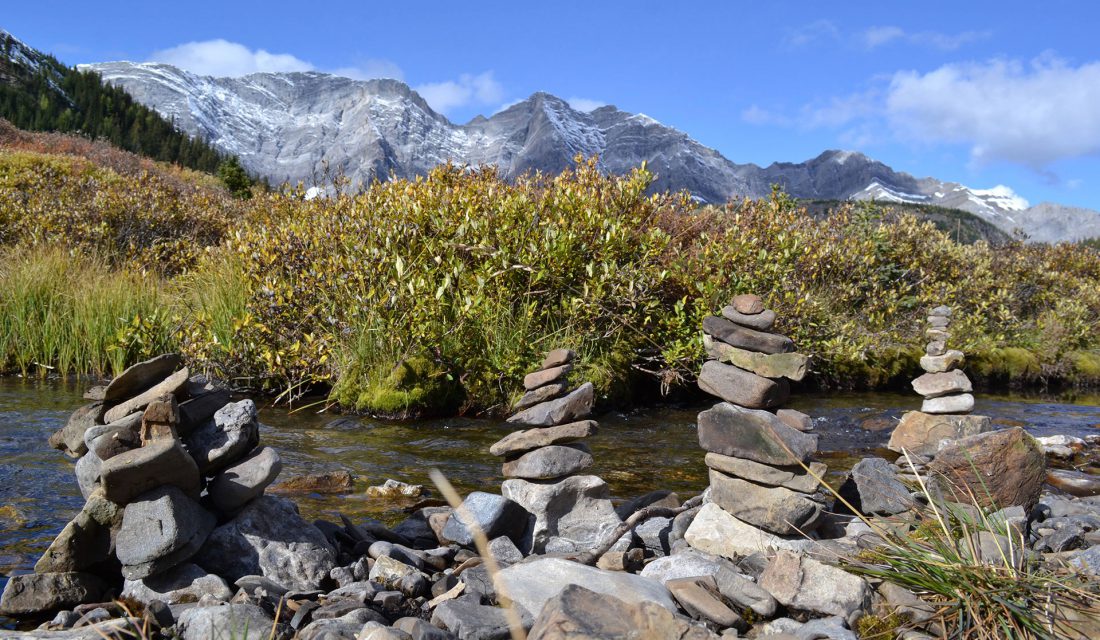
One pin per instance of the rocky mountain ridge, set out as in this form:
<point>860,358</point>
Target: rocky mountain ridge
<point>298,126</point>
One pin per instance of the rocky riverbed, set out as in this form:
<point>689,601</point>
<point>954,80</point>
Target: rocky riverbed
<point>180,531</point>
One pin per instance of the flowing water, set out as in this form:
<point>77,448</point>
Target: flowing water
<point>635,453</point>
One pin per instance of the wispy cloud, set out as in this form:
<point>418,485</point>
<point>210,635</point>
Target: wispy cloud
<point>812,32</point>
<point>585,104</point>
<point>467,91</point>
<point>874,37</point>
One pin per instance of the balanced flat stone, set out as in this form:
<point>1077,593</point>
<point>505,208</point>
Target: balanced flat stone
<point>169,386</point>
<point>763,321</point>
<point>541,394</point>
<point>575,512</point>
<point>774,509</point>
<point>530,439</point>
<point>140,377</point>
<point>160,529</point>
<point>922,433</point>
<point>225,438</point>
<point>558,357</point>
<point>935,348</point>
<point>240,483</point>
<point>574,406</point>
<point>938,364</point>
<point>546,376</point>
<point>715,531</point>
<point>934,385</point>
<point>795,419</point>
<point>746,338</point>
<point>794,478</point>
<point>160,462</point>
<point>756,435</point>
<point>937,335</point>
<point>548,463</point>
<point>960,403</point>
<point>938,322</point>
<point>747,303</point>
<point>741,387</point>
<point>792,365</point>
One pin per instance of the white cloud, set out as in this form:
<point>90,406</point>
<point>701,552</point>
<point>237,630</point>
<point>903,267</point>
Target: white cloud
<point>585,104</point>
<point>812,32</point>
<point>1032,114</point>
<point>882,35</point>
<point>371,68</point>
<point>222,58</point>
<point>469,90</point>
<point>756,114</point>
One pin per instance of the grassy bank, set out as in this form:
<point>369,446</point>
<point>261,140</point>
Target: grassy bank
<point>440,293</point>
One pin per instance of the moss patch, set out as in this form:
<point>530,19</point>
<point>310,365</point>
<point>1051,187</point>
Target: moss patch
<point>417,387</point>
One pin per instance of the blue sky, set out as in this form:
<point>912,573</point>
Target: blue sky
<point>982,93</point>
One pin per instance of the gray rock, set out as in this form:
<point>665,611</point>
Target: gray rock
<point>86,541</point>
<point>774,509</point>
<point>960,403</point>
<point>530,439</point>
<point>795,419</point>
<point>942,311</point>
<point>471,621</point>
<point>422,630</point>
<point>717,532</point>
<point>747,303</point>
<point>225,438</point>
<point>688,563</point>
<point>88,469</point>
<point>741,387</point>
<point>793,477</point>
<point>548,463</point>
<point>546,376</point>
<point>830,628</point>
<point>240,483</point>
<point>763,321</point>
<point>531,584</point>
<point>183,583</point>
<point>228,622</point>
<point>938,364</point>
<point>801,582</point>
<point>201,407</point>
<point>70,438</point>
<point>141,376</point>
<point>700,598</point>
<point>873,487</point>
<point>172,385</point>
<point>574,513</point>
<point>159,462</point>
<point>41,593</point>
<point>934,385</point>
<point>269,538</point>
<point>935,348</point>
<point>494,515</point>
<point>654,534</point>
<point>109,440</point>
<point>345,627</point>
<point>746,338</point>
<point>1087,560</point>
<point>504,551</point>
<point>756,435</point>
<point>113,629</point>
<point>539,395</point>
<point>792,366</point>
<point>379,631</point>
<point>160,529</point>
<point>574,406</point>
<point>397,575</point>
<point>580,613</point>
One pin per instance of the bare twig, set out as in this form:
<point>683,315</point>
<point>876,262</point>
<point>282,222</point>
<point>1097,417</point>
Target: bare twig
<point>592,556</point>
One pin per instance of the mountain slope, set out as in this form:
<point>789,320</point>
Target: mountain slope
<point>295,126</point>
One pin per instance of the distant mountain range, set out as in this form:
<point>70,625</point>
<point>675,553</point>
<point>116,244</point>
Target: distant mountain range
<point>291,126</point>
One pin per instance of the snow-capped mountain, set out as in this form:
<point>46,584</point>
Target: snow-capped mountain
<point>294,126</point>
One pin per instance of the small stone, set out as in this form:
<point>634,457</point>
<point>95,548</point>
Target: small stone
<point>717,532</point>
<point>741,387</point>
<point>546,376</point>
<point>109,440</point>
<point>530,439</point>
<point>934,385</point>
<point>201,407</point>
<point>471,621</point>
<point>225,438</point>
<point>548,463</point>
<point>937,335</point>
<point>41,593</point>
<point>540,395</point>
<point>159,420</point>
<point>88,469</point>
<point>171,385</point>
<point>793,477</point>
<point>800,582</point>
<point>332,482</point>
<point>578,613</point>
<point>495,516</point>
<point>395,489</point>
<point>574,406</point>
<point>160,462</point>
<point>774,509</point>
<point>938,322</point>
<point>960,403</point>
<point>1075,483</point>
<point>183,583</point>
<point>938,364</point>
<point>763,321</point>
<point>575,512</point>
<point>699,597</point>
<point>504,551</point>
<point>244,481</point>
<point>756,435</point>
<point>942,310</point>
<point>922,433</point>
<point>747,303</point>
<point>160,529</point>
<point>936,348</point>
<point>795,419</point>
<point>873,487</point>
<point>1001,468</point>
<point>71,437</point>
<point>746,338</point>
<point>558,357</point>
<point>227,622</point>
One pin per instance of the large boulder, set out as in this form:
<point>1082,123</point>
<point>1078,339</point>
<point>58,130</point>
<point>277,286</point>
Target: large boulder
<point>717,532</point>
<point>774,509</point>
<point>269,538</point>
<point>574,406</point>
<point>873,488</point>
<point>160,529</point>
<point>40,593</point>
<point>183,583</point>
<point>531,584</point>
<point>741,387</point>
<point>240,483</point>
<point>225,438</point>
<point>159,462</point>
<point>800,582</point>
<point>547,463</point>
<point>580,613</point>
<point>495,516</point>
<point>756,435</point>
<point>531,439</point>
<point>792,366</point>
<point>997,469</point>
<point>573,514</point>
<point>922,433</point>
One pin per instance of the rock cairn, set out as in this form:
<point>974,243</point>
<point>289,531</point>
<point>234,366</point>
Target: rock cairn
<point>948,401</point>
<point>754,447</point>
<point>173,476</point>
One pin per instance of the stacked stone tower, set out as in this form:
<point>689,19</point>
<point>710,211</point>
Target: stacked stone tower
<point>754,447</point>
<point>947,395</point>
